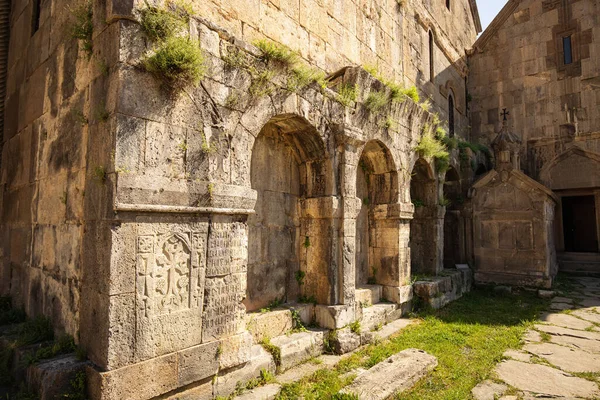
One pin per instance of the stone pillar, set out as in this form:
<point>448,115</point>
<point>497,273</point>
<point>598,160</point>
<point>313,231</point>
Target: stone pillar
<point>167,312</point>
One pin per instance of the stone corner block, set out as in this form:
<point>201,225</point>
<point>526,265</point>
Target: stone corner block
<point>235,350</point>
<point>334,317</point>
<point>398,295</point>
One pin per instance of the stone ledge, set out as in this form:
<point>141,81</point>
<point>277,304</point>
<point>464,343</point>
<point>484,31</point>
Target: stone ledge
<point>438,291</point>
<point>334,317</point>
<point>277,322</point>
<point>299,347</point>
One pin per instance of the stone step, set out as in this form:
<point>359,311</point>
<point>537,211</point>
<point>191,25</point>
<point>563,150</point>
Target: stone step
<point>299,347</point>
<point>378,314</point>
<point>386,331</point>
<point>260,360</point>
<point>449,286</point>
<point>51,379</point>
<point>394,375</point>
<point>267,392</point>
<point>278,322</point>
<point>369,294</point>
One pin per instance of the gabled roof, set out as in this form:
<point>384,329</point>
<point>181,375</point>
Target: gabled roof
<point>475,12</point>
<point>532,183</point>
<point>500,19</point>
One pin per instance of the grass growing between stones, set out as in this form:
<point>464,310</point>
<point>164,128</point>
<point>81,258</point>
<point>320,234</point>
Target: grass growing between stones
<point>468,337</point>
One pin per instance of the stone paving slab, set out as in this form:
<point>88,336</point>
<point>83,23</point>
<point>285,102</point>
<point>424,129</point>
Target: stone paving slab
<point>566,321</point>
<point>488,390</point>
<point>544,380</point>
<point>393,375</point>
<point>560,331</point>
<point>588,316</point>
<point>565,358</point>
<point>517,355</point>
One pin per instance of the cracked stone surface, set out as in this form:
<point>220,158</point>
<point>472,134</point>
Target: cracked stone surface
<point>488,390</point>
<point>544,380</point>
<point>563,343</point>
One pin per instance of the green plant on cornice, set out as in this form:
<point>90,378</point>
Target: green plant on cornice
<point>376,101</point>
<point>179,62</point>
<point>261,83</point>
<point>81,25</point>
<point>276,52</point>
<point>302,75</point>
<point>347,94</point>
<point>161,23</point>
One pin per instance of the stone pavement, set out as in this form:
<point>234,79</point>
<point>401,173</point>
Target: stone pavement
<point>560,358</point>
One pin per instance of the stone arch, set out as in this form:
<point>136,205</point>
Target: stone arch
<point>426,226</point>
<point>563,172</point>
<point>377,240</point>
<point>577,218</point>
<point>290,171</point>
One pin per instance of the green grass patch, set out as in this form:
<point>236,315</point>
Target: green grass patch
<point>272,51</point>
<point>469,337</point>
<point>178,62</point>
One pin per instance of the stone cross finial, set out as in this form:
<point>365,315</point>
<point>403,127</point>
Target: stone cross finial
<point>505,113</point>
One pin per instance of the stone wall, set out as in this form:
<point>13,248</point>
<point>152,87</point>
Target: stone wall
<point>518,64</point>
<point>213,205</point>
<point>386,34</point>
<point>56,100</point>
<point>174,214</point>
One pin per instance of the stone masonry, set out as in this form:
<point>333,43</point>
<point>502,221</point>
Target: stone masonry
<point>163,229</point>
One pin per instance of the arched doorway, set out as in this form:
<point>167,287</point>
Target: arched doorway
<point>377,241</point>
<point>425,246</point>
<point>452,222</point>
<point>288,168</point>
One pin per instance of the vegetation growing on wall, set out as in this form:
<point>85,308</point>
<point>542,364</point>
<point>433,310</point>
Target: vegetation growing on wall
<point>82,25</point>
<point>176,58</point>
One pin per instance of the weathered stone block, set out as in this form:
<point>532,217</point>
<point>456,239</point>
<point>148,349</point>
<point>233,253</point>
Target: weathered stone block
<point>140,381</point>
<point>334,317</point>
<point>299,347</point>
<point>228,380</point>
<point>199,362</point>
<point>51,379</point>
<point>344,341</point>
<point>398,295</point>
<point>235,350</point>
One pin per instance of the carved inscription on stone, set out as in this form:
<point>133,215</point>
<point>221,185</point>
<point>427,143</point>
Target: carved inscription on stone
<point>227,249</point>
<point>223,311</point>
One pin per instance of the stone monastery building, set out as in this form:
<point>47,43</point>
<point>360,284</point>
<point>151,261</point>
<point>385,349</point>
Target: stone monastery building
<point>153,219</point>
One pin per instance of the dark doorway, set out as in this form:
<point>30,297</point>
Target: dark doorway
<point>579,221</point>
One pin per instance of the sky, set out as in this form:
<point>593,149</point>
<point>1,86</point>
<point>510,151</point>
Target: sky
<point>488,9</point>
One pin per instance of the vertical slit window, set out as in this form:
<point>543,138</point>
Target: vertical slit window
<point>568,50</point>
<point>448,4</point>
<point>451,116</point>
<point>431,67</point>
<point>35,16</point>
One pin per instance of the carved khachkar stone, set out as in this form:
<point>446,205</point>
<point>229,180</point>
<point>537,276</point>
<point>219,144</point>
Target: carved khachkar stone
<point>170,286</point>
